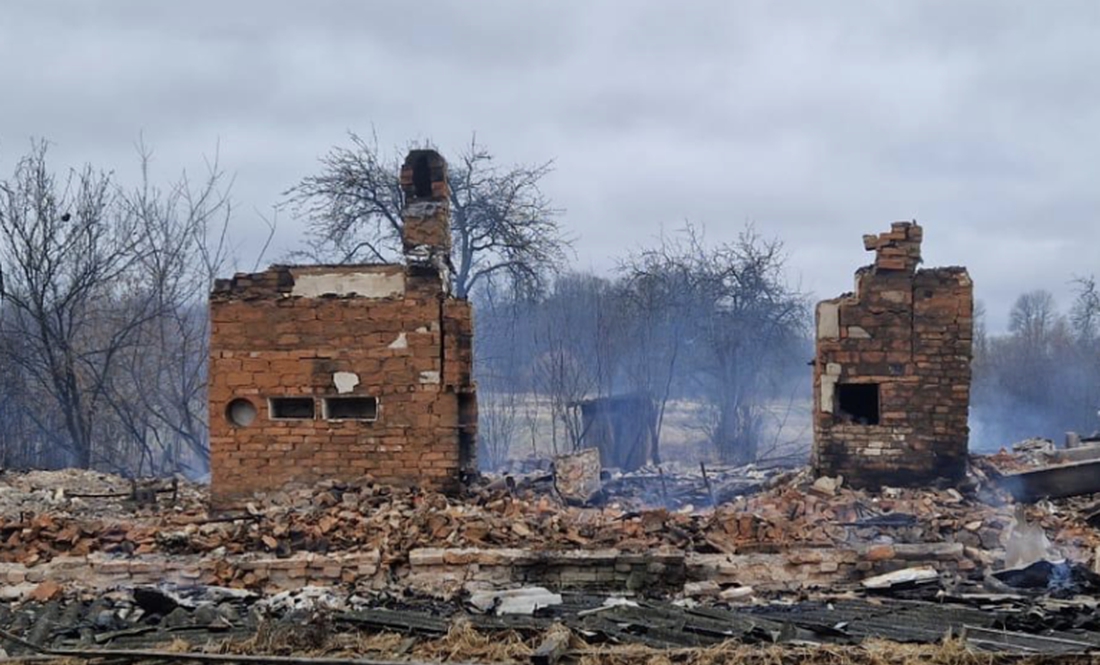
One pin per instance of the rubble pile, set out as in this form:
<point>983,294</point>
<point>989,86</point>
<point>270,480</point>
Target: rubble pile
<point>77,512</point>
<point>94,495</point>
<point>677,488</point>
<point>827,513</point>
<point>1003,462</point>
<point>905,564</point>
<point>789,509</point>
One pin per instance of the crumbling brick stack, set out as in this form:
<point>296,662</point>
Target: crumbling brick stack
<point>336,372</point>
<point>892,370</point>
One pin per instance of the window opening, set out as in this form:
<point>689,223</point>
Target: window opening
<point>351,408</point>
<point>292,408</point>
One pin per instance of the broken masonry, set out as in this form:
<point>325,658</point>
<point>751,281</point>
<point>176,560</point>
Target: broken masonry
<point>338,372</point>
<point>892,370</point>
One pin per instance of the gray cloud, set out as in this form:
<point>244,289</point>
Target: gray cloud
<point>817,121</point>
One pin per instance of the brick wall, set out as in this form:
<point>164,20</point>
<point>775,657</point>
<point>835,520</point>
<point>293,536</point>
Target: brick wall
<point>902,340</point>
<point>378,357</point>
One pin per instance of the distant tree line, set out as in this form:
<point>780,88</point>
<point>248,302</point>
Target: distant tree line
<point>717,324</point>
<point>1042,377</point>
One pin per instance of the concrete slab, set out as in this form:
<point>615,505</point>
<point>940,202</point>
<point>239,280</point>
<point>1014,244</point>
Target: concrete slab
<point>1054,482</point>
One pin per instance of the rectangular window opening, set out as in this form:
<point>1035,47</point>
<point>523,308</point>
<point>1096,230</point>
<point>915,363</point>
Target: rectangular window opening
<point>291,408</point>
<point>351,408</point>
<point>858,403</point>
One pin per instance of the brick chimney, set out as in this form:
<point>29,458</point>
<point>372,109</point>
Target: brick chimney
<point>426,216</point>
<point>892,372</point>
<point>897,249</point>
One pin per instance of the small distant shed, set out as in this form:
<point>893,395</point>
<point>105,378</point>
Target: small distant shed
<point>623,428</point>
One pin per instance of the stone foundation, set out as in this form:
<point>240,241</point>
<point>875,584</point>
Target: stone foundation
<point>443,571</point>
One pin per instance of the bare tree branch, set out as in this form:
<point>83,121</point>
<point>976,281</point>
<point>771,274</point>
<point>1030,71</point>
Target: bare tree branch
<point>501,222</point>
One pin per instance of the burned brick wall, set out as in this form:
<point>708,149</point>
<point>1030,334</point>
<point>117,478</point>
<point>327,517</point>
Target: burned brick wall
<point>337,372</point>
<point>892,370</point>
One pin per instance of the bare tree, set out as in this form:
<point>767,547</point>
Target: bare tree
<point>577,348</point>
<point>102,321</point>
<point>165,376</point>
<point>981,334</point>
<point>1085,313</point>
<point>19,439</point>
<point>499,346</point>
<point>502,223</point>
<point>1084,316</point>
<point>67,249</point>
<point>1032,319</point>
<point>561,376</point>
<point>654,312</point>
<point>740,322</point>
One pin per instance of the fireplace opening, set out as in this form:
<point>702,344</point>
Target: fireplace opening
<point>858,403</point>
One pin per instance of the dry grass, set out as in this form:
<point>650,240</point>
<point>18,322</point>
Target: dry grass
<point>315,637</point>
<point>950,652</point>
<point>464,644</point>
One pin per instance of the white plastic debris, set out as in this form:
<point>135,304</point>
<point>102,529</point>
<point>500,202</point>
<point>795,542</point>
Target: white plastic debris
<point>736,593</point>
<point>514,601</point>
<point>706,588</point>
<point>609,603</point>
<point>1026,542</point>
<point>307,598</point>
<point>917,575</point>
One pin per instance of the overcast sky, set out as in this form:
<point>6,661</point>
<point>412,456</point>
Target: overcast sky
<point>817,121</point>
